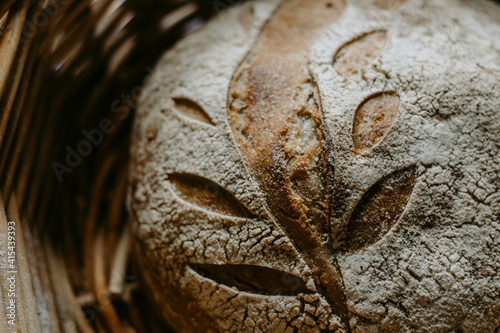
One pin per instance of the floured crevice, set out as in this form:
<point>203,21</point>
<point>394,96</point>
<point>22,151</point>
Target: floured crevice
<point>373,120</point>
<point>380,209</point>
<point>253,279</point>
<point>246,17</point>
<point>191,110</point>
<point>357,54</point>
<point>207,195</point>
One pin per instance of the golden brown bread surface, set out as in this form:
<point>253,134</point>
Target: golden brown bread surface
<point>275,112</point>
<point>312,166</point>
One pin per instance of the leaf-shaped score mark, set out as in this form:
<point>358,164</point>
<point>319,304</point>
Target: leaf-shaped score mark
<point>191,110</point>
<point>373,120</point>
<point>380,208</point>
<point>360,52</point>
<point>207,195</point>
<point>253,279</point>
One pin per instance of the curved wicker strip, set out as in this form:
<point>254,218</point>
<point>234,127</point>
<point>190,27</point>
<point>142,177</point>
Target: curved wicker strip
<point>65,67</point>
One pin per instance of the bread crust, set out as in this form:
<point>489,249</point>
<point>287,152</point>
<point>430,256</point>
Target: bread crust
<point>318,166</point>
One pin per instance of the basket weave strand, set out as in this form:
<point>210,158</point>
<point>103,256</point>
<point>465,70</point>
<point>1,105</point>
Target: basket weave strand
<point>63,65</point>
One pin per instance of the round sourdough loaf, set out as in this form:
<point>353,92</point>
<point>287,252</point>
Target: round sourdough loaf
<point>313,166</point>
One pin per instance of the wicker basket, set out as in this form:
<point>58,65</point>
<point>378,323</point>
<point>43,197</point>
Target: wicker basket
<point>70,73</point>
